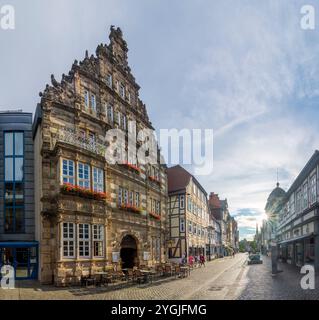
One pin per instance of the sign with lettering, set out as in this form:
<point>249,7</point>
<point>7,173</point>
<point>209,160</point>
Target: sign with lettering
<point>115,257</point>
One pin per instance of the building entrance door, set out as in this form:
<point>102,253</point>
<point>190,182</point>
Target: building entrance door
<point>23,259</point>
<point>22,263</point>
<point>128,252</point>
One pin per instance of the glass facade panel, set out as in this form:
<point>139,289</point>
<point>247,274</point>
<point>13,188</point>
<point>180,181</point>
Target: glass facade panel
<point>9,195</point>
<point>8,141</point>
<point>9,220</point>
<point>18,144</point>
<point>19,197</point>
<point>19,219</point>
<point>9,169</point>
<point>18,169</point>
<point>13,184</point>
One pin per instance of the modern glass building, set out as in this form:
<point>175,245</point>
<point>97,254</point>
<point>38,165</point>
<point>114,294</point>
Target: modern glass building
<point>18,247</point>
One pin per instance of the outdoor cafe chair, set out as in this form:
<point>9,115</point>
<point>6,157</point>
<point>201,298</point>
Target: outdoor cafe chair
<point>168,270</point>
<point>138,277</point>
<point>178,271</point>
<point>87,280</point>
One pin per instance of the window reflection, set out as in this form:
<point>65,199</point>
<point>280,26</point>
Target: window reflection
<point>18,194</point>
<point>13,187</point>
<point>9,222</point>
<point>9,194</point>
<point>9,169</point>
<point>18,142</point>
<point>18,169</point>
<point>8,143</point>
<point>19,220</point>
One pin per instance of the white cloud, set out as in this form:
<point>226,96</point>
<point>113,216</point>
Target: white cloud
<point>244,69</point>
<point>243,88</point>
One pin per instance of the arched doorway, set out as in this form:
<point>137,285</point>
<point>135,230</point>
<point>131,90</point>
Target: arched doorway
<point>128,252</point>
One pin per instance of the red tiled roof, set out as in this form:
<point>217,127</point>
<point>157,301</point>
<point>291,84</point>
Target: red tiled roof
<point>178,178</point>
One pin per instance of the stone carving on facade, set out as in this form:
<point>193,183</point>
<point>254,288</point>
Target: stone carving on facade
<point>66,125</point>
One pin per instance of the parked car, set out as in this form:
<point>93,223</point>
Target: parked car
<point>254,258</point>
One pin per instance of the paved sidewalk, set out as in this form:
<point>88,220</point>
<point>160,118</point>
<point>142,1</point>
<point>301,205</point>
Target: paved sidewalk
<point>200,281</point>
<point>227,278</point>
<point>259,284</point>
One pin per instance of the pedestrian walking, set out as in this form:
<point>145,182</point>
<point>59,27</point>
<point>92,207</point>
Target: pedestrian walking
<point>184,258</point>
<point>202,260</point>
<point>191,261</point>
<point>196,261</point>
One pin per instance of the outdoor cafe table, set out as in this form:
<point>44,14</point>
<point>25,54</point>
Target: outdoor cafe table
<point>126,269</point>
<point>186,270</point>
<point>101,274</point>
<point>147,274</point>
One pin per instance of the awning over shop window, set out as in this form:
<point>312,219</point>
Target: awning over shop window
<point>297,238</point>
<point>18,244</point>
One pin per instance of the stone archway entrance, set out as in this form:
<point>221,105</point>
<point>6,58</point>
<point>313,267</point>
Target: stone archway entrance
<point>128,252</point>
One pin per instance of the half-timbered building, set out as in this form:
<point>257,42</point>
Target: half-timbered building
<point>188,215</point>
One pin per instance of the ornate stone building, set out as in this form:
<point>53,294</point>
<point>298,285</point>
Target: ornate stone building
<point>93,213</point>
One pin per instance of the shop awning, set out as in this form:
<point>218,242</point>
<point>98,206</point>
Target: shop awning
<point>297,238</point>
<point>18,244</point>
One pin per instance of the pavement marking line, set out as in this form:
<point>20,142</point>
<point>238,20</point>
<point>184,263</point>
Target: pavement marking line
<point>208,284</point>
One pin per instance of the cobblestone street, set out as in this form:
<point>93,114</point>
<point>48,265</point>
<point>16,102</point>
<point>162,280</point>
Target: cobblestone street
<point>228,278</point>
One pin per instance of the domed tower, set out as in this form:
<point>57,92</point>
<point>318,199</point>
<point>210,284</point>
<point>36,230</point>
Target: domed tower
<point>275,202</point>
<point>273,207</point>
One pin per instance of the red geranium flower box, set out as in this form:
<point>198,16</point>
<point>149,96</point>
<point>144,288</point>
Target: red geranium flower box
<point>155,215</point>
<point>154,179</point>
<point>130,208</point>
<point>70,189</point>
<point>132,167</point>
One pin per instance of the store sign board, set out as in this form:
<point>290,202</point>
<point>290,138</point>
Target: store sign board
<point>115,257</point>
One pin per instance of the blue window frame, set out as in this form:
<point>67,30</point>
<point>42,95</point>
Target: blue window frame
<point>23,256</point>
<point>14,182</point>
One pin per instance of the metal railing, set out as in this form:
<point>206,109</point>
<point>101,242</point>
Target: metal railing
<point>74,138</point>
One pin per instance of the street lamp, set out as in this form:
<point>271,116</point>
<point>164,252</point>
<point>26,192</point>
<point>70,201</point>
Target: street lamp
<point>274,250</point>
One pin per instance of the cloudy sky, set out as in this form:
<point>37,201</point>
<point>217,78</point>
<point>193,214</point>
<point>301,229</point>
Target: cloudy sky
<point>243,68</point>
